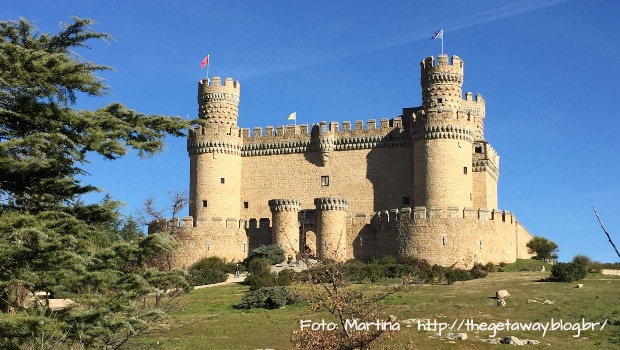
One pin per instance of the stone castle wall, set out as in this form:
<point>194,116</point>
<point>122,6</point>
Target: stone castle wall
<point>446,236</point>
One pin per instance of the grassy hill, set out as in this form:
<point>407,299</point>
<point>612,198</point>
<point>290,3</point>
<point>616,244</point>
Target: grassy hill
<point>205,318</point>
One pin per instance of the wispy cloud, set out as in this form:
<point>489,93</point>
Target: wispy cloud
<point>496,14</point>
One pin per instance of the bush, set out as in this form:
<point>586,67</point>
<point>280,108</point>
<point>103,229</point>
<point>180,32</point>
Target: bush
<point>374,272</point>
<point>389,260</point>
<point>208,271</point>
<point>274,253</point>
<point>419,264</point>
<point>267,298</point>
<point>479,271</point>
<point>568,272</point>
<point>453,275</point>
<point>489,267</point>
<point>285,277</point>
<point>260,275</point>
<point>587,263</point>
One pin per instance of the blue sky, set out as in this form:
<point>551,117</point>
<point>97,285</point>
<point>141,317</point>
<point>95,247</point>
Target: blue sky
<point>546,68</point>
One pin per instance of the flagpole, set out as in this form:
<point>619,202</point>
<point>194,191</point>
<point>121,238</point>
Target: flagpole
<point>209,63</point>
<point>442,41</point>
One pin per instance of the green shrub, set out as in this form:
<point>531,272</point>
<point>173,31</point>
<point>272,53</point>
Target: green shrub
<point>587,263</point>
<point>389,260</point>
<point>453,275</point>
<point>478,271</point>
<point>489,267</point>
<point>374,272</point>
<point>267,298</point>
<point>260,275</point>
<point>568,272</point>
<point>398,270</point>
<point>273,252</point>
<point>419,264</point>
<point>285,277</point>
<point>208,271</point>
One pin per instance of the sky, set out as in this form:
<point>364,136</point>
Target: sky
<point>546,69</point>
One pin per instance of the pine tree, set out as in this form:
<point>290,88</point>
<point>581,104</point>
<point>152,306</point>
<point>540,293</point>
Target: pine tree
<point>52,244</point>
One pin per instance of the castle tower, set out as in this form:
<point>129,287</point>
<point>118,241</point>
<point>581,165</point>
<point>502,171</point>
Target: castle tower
<point>331,224</point>
<point>285,225</point>
<point>215,153</point>
<point>442,137</point>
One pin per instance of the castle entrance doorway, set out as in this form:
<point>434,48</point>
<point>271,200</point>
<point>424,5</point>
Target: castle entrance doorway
<point>308,240</point>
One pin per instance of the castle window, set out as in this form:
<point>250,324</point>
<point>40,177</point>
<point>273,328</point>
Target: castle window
<point>406,200</point>
<point>465,170</point>
<point>478,149</point>
<point>444,240</point>
<point>222,181</point>
<point>204,203</point>
<point>439,100</point>
<point>246,205</point>
<point>244,247</point>
<point>324,181</point>
<point>480,243</point>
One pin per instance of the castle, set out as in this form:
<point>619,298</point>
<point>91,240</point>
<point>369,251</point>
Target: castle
<point>422,184</point>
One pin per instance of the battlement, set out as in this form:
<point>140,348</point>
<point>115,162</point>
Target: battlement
<point>283,131</point>
<point>424,213</point>
<point>216,83</point>
<point>176,225</point>
<point>443,65</point>
<point>300,139</point>
<point>485,158</point>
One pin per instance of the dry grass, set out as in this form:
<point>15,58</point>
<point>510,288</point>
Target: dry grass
<point>206,319</point>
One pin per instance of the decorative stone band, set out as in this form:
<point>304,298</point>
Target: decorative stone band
<point>442,78</point>
<point>442,132</point>
<point>219,97</point>
<point>331,203</point>
<point>202,147</point>
<point>340,144</point>
<point>481,165</point>
<point>277,205</point>
<point>471,111</point>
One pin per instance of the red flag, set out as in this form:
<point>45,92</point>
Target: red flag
<point>205,62</point>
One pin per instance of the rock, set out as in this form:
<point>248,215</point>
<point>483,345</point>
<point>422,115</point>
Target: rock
<point>512,340</point>
<point>392,318</point>
<point>579,285</point>
<point>501,302</point>
<point>501,294</point>
<point>548,302</point>
<point>543,269</point>
<point>532,301</point>
<point>455,336</point>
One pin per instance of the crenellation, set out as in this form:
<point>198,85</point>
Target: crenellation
<point>470,213</point>
<point>187,221</point>
<point>346,127</point>
<point>371,124</point>
<point>269,131</point>
<point>384,123</point>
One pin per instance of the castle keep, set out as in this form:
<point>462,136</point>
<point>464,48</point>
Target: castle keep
<point>421,184</point>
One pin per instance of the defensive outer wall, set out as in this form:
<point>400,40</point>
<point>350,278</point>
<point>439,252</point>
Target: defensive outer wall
<point>421,184</point>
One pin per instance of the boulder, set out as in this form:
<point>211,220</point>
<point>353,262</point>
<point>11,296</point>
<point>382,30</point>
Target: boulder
<point>579,285</point>
<point>501,294</point>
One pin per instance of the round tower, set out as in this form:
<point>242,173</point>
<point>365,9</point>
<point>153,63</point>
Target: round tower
<point>442,138</point>
<point>285,225</point>
<point>331,227</point>
<point>215,153</point>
